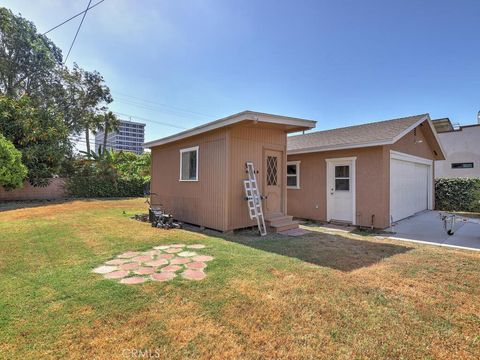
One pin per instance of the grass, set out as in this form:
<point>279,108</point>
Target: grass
<point>323,295</point>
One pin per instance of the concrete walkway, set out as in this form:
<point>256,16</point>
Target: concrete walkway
<point>428,227</point>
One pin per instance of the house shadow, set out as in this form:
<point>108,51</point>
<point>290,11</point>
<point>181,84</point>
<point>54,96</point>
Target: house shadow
<point>336,251</point>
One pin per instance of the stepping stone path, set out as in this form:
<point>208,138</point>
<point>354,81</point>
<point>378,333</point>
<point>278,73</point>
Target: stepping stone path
<point>158,264</point>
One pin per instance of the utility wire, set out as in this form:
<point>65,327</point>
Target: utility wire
<point>78,29</point>
<point>73,17</point>
<point>150,120</point>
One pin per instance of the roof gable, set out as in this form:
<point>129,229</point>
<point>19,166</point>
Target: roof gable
<point>371,134</point>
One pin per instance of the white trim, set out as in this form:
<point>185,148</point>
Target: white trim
<point>194,148</point>
<point>396,155</point>
<point>233,119</point>
<point>353,175</point>
<point>410,158</point>
<point>297,175</point>
<point>373,143</point>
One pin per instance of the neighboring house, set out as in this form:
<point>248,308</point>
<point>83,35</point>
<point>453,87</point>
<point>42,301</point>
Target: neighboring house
<point>129,137</point>
<point>462,150</point>
<point>198,174</point>
<point>367,175</point>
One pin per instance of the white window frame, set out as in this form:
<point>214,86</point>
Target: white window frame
<point>297,175</point>
<point>190,149</point>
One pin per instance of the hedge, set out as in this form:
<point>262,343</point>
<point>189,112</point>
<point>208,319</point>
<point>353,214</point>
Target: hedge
<point>457,194</point>
<point>98,187</point>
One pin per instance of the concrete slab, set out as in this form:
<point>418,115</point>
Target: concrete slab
<point>428,227</point>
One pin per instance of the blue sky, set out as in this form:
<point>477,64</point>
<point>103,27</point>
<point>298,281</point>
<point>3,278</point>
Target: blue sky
<point>338,62</point>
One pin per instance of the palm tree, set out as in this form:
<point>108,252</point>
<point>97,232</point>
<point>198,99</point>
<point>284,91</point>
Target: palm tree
<point>109,124</point>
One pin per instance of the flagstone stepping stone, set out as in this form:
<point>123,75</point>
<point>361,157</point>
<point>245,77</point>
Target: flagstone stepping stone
<point>193,274</point>
<point>128,255</point>
<point>164,276</point>
<point>165,256</point>
<point>202,258</point>
<point>133,280</point>
<point>104,269</point>
<point>142,258</point>
<point>177,245</point>
<point>157,263</point>
<point>144,271</point>
<point>173,250</point>
<point>171,268</point>
<point>196,246</point>
<point>116,274</point>
<point>187,254</point>
<point>196,265</point>
<point>116,261</point>
<point>130,266</point>
<point>161,247</point>
<point>178,260</point>
<point>151,252</point>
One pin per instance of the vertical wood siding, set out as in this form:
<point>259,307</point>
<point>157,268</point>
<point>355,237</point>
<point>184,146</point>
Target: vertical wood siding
<point>247,143</point>
<point>201,202</point>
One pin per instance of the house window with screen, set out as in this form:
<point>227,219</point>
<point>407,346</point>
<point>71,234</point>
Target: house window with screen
<point>293,175</point>
<point>189,164</point>
<point>342,178</point>
<point>465,165</point>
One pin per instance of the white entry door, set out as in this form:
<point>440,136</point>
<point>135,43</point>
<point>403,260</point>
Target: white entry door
<point>341,190</point>
<point>410,185</point>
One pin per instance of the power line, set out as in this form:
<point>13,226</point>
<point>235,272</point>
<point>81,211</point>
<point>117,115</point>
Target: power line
<point>150,120</point>
<point>73,17</point>
<point>78,30</point>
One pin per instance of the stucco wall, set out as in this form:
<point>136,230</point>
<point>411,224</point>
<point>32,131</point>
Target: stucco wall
<point>460,146</point>
<point>372,179</point>
<point>55,190</point>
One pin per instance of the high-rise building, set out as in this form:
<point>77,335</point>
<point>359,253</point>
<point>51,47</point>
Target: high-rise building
<point>129,137</point>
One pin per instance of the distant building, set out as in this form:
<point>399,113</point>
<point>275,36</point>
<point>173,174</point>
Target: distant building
<point>129,137</point>
<point>462,149</point>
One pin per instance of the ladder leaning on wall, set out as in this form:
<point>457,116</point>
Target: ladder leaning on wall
<point>253,198</point>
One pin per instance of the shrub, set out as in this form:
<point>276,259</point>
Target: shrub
<point>457,194</point>
<point>12,170</point>
<point>98,187</point>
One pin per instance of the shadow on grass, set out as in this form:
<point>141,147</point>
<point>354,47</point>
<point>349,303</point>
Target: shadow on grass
<point>322,249</point>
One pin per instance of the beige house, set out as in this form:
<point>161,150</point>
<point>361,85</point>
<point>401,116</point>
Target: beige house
<point>368,175</point>
<point>198,174</point>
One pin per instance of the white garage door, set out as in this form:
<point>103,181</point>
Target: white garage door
<point>409,188</point>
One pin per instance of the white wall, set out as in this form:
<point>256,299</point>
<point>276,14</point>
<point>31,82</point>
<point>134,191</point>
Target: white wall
<point>460,146</point>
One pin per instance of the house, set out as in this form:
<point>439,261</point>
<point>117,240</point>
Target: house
<point>368,175</point>
<point>462,149</point>
<point>198,174</point>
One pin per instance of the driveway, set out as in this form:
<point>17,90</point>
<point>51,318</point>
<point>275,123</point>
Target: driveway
<point>428,227</point>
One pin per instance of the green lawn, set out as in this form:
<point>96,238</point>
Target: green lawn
<point>320,296</point>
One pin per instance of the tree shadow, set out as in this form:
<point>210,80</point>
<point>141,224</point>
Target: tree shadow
<point>335,251</point>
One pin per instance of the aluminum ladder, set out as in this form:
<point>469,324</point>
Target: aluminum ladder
<point>253,198</point>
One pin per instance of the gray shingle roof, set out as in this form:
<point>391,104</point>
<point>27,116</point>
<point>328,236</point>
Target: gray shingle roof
<point>355,136</point>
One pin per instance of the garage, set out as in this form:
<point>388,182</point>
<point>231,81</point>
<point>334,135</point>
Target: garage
<point>410,185</point>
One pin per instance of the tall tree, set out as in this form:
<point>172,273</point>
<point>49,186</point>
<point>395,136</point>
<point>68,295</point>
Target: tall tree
<point>12,171</point>
<point>29,61</point>
<point>110,124</point>
<point>87,98</point>
<point>40,134</point>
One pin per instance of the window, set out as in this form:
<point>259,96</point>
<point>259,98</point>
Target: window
<point>189,164</point>
<point>272,170</point>
<point>342,178</point>
<point>468,165</point>
<point>293,175</point>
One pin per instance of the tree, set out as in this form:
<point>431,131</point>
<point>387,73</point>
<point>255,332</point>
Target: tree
<point>39,134</point>
<point>110,124</point>
<point>12,171</point>
<point>29,61</point>
<point>87,100</point>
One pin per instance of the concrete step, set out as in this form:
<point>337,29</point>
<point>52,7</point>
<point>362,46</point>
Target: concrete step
<point>283,226</point>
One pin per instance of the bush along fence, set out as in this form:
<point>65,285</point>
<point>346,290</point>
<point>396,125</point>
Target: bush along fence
<point>457,194</point>
<point>98,187</point>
